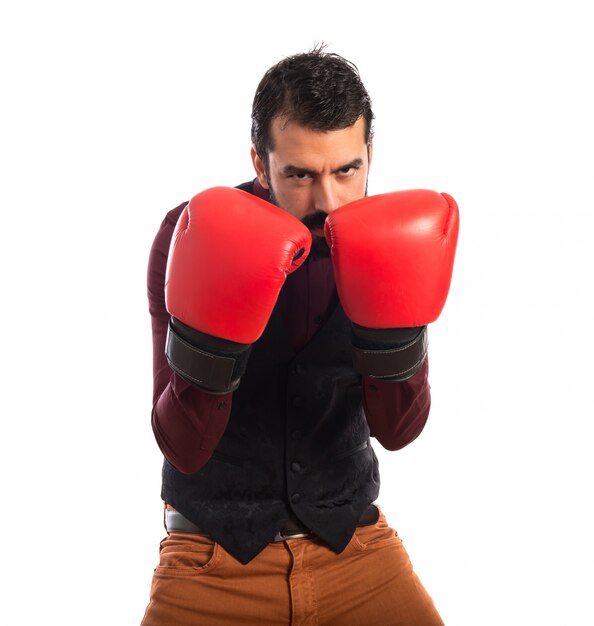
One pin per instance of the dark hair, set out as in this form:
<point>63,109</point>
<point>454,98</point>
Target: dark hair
<point>319,90</point>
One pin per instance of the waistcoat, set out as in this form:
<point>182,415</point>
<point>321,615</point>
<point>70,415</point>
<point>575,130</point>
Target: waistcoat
<point>297,444</point>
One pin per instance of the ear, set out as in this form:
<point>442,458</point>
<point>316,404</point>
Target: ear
<point>369,154</point>
<point>259,167</point>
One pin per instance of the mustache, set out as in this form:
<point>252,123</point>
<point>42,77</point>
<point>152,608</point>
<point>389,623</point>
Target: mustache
<point>315,220</point>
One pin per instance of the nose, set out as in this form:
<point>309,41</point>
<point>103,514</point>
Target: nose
<point>326,198</point>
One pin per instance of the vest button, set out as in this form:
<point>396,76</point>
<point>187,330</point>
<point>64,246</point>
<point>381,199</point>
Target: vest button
<point>295,498</point>
<point>297,402</point>
<point>295,467</point>
<point>299,369</point>
<point>296,434</point>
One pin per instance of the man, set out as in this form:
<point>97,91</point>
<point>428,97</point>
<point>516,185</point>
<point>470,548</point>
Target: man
<point>275,361</point>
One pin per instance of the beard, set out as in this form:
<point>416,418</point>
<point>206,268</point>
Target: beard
<point>319,247</point>
<point>313,221</point>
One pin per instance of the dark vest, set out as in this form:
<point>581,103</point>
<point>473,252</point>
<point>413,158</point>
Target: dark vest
<point>297,443</point>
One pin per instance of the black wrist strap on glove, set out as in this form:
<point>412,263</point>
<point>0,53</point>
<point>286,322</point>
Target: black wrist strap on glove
<point>207,362</point>
<point>393,354</point>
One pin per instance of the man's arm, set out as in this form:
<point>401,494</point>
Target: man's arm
<point>187,421</point>
<point>215,273</point>
<point>393,257</point>
<point>397,411</point>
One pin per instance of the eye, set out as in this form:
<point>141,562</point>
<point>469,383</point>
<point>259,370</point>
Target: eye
<point>300,177</point>
<point>348,171</point>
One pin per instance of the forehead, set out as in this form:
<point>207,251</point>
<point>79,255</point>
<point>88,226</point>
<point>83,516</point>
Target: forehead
<point>301,146</point>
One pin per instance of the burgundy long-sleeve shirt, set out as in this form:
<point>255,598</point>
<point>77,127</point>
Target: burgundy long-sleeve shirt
<point>188,423</point>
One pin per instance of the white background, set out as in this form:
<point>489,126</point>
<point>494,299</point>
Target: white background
<point>115,112</point>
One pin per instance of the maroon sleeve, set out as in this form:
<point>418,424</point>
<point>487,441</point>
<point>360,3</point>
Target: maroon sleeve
<point>397,412</point>
<point>187,422</point>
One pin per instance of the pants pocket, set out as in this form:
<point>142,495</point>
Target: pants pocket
<point>187,554</point>
<point>374,536</point>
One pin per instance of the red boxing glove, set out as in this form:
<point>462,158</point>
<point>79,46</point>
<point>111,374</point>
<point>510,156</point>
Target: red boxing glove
<point>229,257</point>
<point>393,256</point>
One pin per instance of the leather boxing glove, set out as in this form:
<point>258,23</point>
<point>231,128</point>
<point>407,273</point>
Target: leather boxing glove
<point>229,256</point>
<point>393,257</point>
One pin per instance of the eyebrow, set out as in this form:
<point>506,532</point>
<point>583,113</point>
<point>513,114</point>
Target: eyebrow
<point>289,170</point>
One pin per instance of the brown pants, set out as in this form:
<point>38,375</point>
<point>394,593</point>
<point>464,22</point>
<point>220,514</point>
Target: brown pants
<point>297,582</point>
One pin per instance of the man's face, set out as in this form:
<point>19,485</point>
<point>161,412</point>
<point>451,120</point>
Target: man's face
<point>312,173</point>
